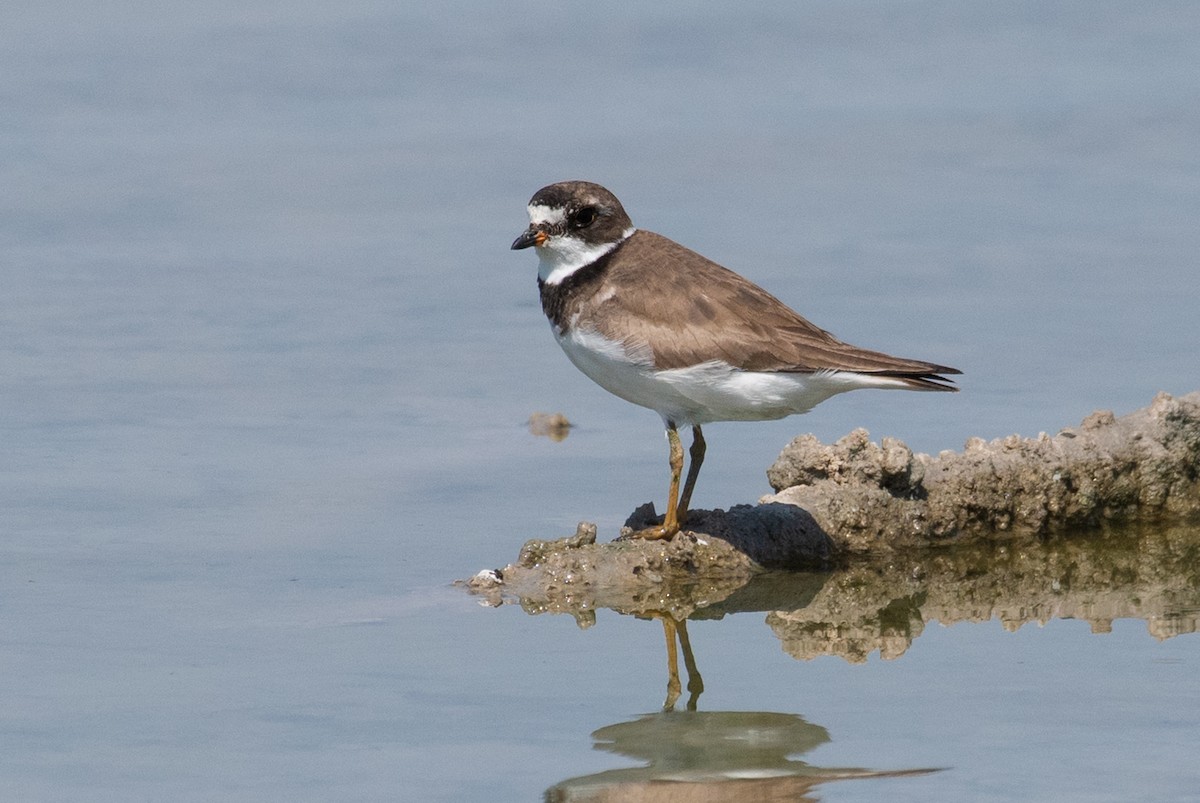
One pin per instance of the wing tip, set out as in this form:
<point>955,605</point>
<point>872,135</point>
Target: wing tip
<point>932,380</point>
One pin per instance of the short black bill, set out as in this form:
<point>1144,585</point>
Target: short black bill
<point>528,238</point>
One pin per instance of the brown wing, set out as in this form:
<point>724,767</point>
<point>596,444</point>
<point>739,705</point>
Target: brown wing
<point>693,310</point>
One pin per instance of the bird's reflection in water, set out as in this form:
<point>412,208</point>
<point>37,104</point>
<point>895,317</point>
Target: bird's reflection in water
<point>709,756</point>
<point>706,755</point>
<point>677,629</point>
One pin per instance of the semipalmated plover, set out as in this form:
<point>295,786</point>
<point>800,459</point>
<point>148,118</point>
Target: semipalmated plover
<point>663,327</point>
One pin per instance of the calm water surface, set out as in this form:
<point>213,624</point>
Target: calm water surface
<point>266,362</point>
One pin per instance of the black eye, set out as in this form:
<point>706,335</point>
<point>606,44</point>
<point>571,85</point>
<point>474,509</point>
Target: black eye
<point>585,217</point>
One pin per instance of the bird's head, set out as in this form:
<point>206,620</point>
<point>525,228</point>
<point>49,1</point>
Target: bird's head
<point>571,224</point>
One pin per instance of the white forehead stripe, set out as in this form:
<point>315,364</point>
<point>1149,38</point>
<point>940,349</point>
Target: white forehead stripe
<point>546,215</point>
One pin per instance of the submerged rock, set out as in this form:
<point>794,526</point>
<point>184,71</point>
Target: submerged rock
<point>554,426</point>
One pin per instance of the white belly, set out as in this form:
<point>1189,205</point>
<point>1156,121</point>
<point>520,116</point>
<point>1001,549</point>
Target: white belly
<point>710,391</point>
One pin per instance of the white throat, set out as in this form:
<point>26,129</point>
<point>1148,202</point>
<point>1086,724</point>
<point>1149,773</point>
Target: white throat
<point>564,254</point>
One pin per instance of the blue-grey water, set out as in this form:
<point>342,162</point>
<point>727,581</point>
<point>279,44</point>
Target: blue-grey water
<point>266,362</point>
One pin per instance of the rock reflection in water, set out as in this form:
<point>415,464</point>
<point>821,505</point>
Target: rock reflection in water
<point>1144,573</point>
<point>708,756</point>
<point>1149,574</point>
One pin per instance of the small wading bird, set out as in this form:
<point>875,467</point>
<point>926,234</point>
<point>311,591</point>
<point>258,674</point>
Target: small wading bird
<point>663,327</point>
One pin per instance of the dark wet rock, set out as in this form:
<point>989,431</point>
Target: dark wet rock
<point>876,497</point>
<point>770,536</point>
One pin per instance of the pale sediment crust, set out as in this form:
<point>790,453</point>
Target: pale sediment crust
<point>1142,467</point>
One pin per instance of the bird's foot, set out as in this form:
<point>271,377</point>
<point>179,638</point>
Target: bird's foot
<point>658,532</point>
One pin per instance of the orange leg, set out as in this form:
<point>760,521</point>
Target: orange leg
<point>697,459</point>
<point>670,524</point>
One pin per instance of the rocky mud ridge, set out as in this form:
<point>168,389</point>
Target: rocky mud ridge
<point>868,497</point>
<point>857,497</point>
